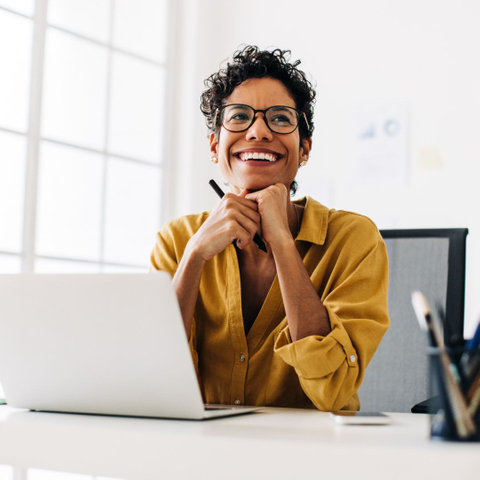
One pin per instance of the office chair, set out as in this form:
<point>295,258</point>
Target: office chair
<point>432,261</point>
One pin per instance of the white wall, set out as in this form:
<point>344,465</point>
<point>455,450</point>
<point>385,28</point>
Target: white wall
<point>423,53</point>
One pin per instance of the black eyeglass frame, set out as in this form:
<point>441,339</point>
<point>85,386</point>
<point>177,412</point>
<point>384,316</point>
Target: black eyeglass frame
<point>299,113</point>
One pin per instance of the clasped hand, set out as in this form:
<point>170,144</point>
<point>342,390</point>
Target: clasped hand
<point>239,217</point>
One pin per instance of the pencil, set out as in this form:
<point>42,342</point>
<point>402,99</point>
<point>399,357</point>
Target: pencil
<point>256,239</point>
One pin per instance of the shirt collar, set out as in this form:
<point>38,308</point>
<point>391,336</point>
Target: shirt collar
<point>314,222</point>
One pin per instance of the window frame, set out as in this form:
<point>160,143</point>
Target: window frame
<point>34,138</point>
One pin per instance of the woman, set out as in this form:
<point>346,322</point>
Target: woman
<point>297,325</point>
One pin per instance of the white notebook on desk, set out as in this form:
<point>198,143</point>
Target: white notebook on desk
<point>111,344</point>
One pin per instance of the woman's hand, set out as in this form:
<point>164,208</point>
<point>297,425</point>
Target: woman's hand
<point>234,219</point>
<point>272,206</point>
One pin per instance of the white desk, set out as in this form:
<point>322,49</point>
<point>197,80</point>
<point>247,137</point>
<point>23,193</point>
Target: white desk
<point>273,444</point>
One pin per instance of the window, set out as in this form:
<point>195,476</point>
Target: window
<point>81,127</point>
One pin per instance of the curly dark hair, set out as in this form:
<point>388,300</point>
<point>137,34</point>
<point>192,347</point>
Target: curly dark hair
<point>254,63</point>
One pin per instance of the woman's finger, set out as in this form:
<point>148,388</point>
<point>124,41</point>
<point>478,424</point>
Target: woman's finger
<point>248,208</point>
<point>251,226</point>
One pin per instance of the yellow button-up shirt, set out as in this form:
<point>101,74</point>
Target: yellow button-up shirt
<point>346,259</point>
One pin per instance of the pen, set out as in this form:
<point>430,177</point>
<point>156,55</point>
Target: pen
<point>256,239</point>
<point>451,339</point>
<point>474,342</point>
<point>472,362</point>
<point>470,359</point>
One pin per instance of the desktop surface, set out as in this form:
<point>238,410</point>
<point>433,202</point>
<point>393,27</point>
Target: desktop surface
<point>273,443</point>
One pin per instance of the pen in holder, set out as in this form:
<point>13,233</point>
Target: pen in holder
<point>455,373</point>
<point>455,376</point>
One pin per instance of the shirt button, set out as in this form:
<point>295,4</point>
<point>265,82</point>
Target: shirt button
<point>238,402</point>
<point>242,357</point>
<point>352,358</point>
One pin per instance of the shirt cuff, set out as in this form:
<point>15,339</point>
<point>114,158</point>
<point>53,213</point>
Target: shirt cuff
<point>316,356</point>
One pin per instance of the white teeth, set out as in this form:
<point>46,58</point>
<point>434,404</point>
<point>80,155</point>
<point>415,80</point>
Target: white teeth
<point>258,156</point>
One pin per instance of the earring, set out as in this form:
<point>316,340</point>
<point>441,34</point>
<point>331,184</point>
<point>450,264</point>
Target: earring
<point>303,163</point>
<point>214,159</point>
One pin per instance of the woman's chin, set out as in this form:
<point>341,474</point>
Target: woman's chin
<point>252,185</point>
<point>256,186</point>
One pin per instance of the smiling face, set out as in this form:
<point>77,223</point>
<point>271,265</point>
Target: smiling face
<point>257,158</point>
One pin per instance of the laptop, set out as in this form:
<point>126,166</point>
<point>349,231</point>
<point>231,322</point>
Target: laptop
<point>109,344</point>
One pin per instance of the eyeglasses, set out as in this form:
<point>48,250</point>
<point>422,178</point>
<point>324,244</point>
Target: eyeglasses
<point>279,118</point>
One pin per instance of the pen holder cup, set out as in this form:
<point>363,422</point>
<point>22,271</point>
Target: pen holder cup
<point>455,378</point>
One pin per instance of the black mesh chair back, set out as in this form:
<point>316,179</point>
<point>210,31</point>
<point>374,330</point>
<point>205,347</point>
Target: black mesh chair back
<point>432,261</point>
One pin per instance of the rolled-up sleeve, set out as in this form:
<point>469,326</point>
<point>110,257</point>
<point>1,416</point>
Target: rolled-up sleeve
<point>331,368</point>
